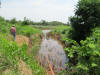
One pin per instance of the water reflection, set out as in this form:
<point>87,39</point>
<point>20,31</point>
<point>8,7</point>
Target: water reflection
<point>54,51</point>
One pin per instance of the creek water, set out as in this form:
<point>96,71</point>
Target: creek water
<point>54,51</point>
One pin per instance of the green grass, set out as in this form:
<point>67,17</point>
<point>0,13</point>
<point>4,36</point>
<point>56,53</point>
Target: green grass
<point>62,32</point>
<point>27,30</point>
<point>10,52</point>
<point>44,27</point>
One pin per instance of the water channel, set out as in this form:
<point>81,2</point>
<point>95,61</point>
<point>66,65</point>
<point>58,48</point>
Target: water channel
<point>52,49</point>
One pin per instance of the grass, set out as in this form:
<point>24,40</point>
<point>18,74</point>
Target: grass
<point>11,53</point>
<point>27,30</point>
<point>62,32</point>
<point>44,27</point>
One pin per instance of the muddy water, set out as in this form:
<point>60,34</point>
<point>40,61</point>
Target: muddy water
<point>54,51</point>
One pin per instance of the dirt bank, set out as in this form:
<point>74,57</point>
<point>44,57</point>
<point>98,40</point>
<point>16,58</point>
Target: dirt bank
<point>20,39</point>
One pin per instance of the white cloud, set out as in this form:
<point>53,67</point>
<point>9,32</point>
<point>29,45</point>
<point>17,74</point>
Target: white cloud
<point>38,9</point>
<point>38,2</point>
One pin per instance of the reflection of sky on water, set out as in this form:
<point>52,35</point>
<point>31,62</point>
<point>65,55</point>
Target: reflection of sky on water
<point>54,51</point>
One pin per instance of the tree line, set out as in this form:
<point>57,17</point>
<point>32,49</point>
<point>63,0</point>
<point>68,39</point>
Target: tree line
<point>27,21</point>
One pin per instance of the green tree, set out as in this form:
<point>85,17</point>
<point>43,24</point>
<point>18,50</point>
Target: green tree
<point>43,22</point>
<point>1,19</point>
<point>13,21</point>
<point>85,19</point>
<point>26,21</point>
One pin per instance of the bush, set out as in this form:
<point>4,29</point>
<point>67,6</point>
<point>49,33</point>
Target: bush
<point>88,55</point>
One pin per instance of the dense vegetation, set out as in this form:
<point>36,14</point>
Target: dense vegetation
<point>82,39</point>
<point>11,53</point>
<point>86,18</point>
<point>84,57</point>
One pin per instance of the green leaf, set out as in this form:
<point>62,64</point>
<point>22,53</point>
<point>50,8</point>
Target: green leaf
<point>81,66</point>
<point>92,46</point>
<point>94,65</point>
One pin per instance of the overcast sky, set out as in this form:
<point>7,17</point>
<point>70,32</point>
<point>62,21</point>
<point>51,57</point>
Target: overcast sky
<point>37,10</point>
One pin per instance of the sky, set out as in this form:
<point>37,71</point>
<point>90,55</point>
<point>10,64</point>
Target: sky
<point>37,10</point>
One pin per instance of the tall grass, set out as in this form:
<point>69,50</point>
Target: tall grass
<point>11,53</point>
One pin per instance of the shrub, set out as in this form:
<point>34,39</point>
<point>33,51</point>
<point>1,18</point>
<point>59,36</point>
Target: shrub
<point>88,55</point>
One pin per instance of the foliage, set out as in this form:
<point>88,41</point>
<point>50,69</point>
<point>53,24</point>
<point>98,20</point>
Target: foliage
<point>61,29</point>
<point>23,30</point>
<point>13,21</point>
<point>10,53</point>
<point>84,59</point>
<point>88,55</point>
<point>27,30</point>
<point>27,21</point>
<point>62,32</point>
<point>7,53</point>
<point>55,23</point>
<point>85,19</point>
<point>1,19</point>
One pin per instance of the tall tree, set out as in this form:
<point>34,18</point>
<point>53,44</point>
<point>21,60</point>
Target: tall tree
<point>87,16</point>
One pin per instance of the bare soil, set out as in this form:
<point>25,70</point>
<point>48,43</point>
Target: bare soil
<point>22,66</point>
<point>24,69</point>
<point>22,39</point>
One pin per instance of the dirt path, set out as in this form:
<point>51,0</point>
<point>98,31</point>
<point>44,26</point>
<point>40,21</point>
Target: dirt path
<point>22,39</point>
<point>22,66</point>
